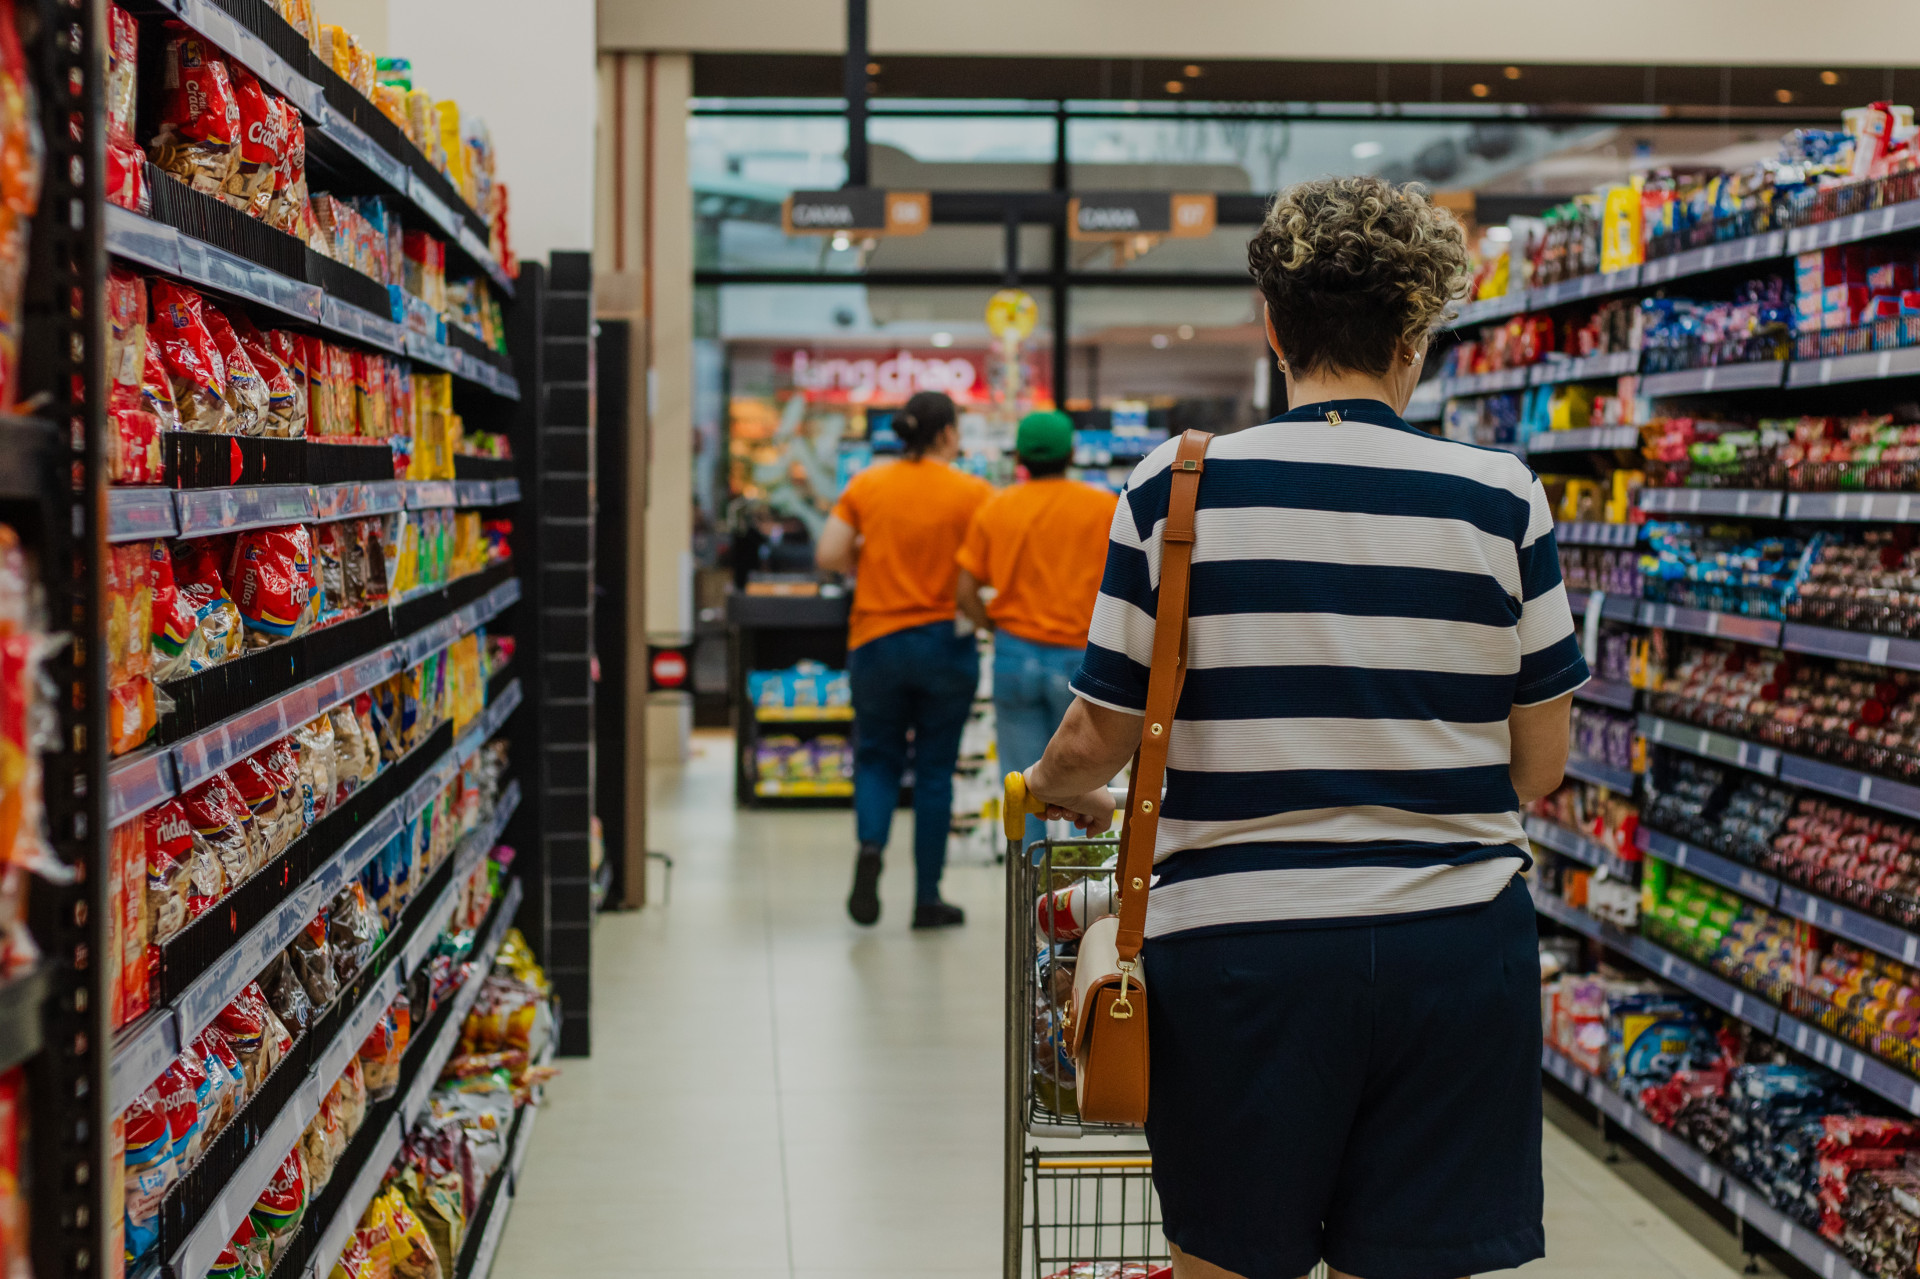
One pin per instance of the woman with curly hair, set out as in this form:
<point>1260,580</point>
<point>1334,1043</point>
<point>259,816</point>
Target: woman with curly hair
<point>1341,962</point>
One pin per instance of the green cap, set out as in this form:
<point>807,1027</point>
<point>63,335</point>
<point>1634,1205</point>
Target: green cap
<point>1045,437</point>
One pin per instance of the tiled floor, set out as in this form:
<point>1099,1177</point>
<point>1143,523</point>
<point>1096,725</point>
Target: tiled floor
<point>774,1092</point>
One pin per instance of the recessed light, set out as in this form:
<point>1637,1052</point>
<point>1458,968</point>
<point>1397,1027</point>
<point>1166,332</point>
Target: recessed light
<point>841,244</point>
<point>1511,73</point>
<point>942,339</point>
<point>1193,71</point>
<point>1783,96</point>
<point>1480,90</point>
<point>1159,341</point>
<point>1367,150</point>
<point>1174,86</point>
<point>1829,77</point>
<point>1186,332</point>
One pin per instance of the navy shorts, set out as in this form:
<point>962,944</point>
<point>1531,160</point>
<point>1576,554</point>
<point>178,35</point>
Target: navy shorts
<point>1364,1093</point>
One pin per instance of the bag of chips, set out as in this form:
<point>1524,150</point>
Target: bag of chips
<point>263,145</point>
<point>355,1261</point>
<point>246,389</point>
<point>315,749</point>
<point>156,394</point>
<point>133,442</point>
<point>375,1234</point>
<point>353,931</point>
<point>354,759</point>
<point>243,1022</point>
<point>150,1169</point>
<point>173,620</point>
<point>291,350</point>
<point>177,1095</point>
<point>126,303</point>
<point>437,1201</point>
<point>218,1093</point>
<point>413,1252</point>
<point>311,956</point>
<point>380,1058</point>
<point>168,836</point>
<point>288,210</point>
<point>223,826</point>
<point>178,334</point>
<point>218,634</point>
<point>282,766</point>
<point>282,396</point>
<point>286,996</point>
<point>282,1205</point>
<point>199,138</point>
<point>126,165</point>
<point>323,1141</point>
<point>274,582</point>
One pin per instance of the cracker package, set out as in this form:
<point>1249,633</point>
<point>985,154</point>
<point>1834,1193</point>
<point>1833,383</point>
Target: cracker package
<point>199,138</point>
<point>246,389</point>
<point>178,334</point>
<point>263,144</point>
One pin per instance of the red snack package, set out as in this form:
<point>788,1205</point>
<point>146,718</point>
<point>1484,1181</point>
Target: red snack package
<point>172,886</point>
<point>288,208</point>
<point>218,634</point>
<point>195,370</point>
<point>199,139</point>
<point>156,395</point>
<point>263,145</point>
<point>126,164</point>
<point>172,617</point>
<point>133,442</point>
<point>261,791</point>
<point>281,398</point>
<point>223,826</point>
<point>126,335</point>
<point>246,389</point>
<point>274,582</point>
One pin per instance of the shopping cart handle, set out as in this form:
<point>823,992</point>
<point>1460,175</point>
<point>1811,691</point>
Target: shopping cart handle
<point>1013,814</point>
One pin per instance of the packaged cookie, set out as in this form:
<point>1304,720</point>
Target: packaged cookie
<point>199,138</point>
<point>246,389</point>
<point>178,334</point>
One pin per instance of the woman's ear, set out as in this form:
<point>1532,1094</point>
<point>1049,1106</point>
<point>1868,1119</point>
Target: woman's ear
<point>1273,339</point>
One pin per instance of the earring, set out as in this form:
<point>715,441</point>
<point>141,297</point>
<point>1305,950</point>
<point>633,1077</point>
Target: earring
<point>1283,366</point>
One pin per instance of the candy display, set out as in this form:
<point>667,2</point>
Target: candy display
<point>1604,736</point>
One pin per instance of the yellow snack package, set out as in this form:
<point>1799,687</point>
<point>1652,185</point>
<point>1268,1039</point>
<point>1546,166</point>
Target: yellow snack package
<point>410,1246</point>
<point>447,116</point>
<point>1620,242</point>
<point>335,50</point>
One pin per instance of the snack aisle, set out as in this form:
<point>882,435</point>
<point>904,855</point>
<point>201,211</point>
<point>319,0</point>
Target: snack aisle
<point>269,789</point>
<point>1729,868</point>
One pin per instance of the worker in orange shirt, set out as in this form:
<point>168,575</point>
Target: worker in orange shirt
<point>1042,546</point>
<point>897,528</point>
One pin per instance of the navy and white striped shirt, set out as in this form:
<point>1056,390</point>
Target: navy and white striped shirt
<point>1368,605</point>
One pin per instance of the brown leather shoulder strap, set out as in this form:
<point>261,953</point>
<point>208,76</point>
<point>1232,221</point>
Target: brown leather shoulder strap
<point>1140,827</point>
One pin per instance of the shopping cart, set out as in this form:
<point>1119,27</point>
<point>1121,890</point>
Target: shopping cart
<point>1076,1192</point>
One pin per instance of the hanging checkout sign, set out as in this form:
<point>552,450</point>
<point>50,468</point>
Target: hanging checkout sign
<point>859,211</point>
<point>1121,215</point>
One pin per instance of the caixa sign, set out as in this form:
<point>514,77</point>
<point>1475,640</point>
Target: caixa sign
<point>859,211</point>
<point>1119,215</point>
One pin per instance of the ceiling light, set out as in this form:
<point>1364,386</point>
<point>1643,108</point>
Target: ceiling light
<point>1829,77</point>
<point>1159,341</point>
<point>1481,90</point>
<point>1783,96</point>
<point>942,339</point>
<point>841,244</point>
<point>1193,71</point>
<point>1186,332</point>
<point>1500,233</point>
<point>1366,150</point>
<point>1511,73</point>
<point>1174,86</point>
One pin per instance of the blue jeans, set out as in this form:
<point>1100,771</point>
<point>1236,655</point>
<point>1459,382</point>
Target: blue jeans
<point>1030,698</point>
<point>922,679</point>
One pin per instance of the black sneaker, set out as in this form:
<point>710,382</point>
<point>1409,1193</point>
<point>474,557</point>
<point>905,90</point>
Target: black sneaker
<point>938,914</point>
<point>864,902</point>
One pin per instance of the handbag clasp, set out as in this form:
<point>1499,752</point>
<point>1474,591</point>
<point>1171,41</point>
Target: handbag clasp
<point>1122,1007</point>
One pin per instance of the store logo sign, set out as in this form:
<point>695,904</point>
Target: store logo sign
<point>892,378</point>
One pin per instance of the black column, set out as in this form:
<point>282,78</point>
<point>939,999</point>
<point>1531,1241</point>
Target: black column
<point>854,80</point>
<point>1058,265</point>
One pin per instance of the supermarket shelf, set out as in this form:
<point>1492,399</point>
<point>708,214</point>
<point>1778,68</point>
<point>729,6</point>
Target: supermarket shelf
<point>1592,533</point>
<point>1854,227</point>
<point>1616,693</point>
<point>133,514</point>
<point>138,782</point>
<point>803,790</point>
<point>1577,846</point>
<point>1856,646</point>
<point>1613,608</point>
<point>1711,867</point>
<point>803,714</point>
<point>502,1204</point>
<point>1867,366</point>
<point>1484,309</point>
<point>1583,286</point>
<point>1585,439</point>
<point>1721,377</point>
<point>1763,631</point>
<point>229,510</point>
<point>415,1099</point>
<point>505,491</point>
<point>1892,508</point>
<point>1832,779</point>
<point>333,1241</point>
<point>1611,364</point>
<point>1707,744</point>
<point>1485,383</point>
<point>471,852</point>
<point>1888,938</point>
<point>1691,1163</point>
<point>1592,770</point>
<point>1863,1068</point>
<point>143,1052</point>
<point>1757,503</point>
<point>21,1029</point>
<point>1804,1245</point>
<point>1716,257</point>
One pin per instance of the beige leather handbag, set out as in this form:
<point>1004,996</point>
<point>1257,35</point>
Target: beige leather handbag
<point>1109,1030</point>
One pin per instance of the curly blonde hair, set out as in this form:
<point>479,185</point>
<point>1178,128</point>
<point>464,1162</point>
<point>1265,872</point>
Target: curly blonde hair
<point>1354,269</point>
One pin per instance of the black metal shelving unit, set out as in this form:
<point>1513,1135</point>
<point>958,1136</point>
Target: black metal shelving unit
<point>772,632</point>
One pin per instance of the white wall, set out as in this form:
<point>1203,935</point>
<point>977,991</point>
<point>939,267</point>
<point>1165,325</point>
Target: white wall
<point>528,71</point>
<point>1704,32</point>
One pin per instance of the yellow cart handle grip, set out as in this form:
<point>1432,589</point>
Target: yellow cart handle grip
<point>1013,813</point>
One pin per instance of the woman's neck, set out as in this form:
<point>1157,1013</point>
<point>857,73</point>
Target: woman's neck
<point>1343,386</point>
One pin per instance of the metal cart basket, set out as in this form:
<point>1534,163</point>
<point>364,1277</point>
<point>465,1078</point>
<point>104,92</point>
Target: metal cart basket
<point>1077,1194</point>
